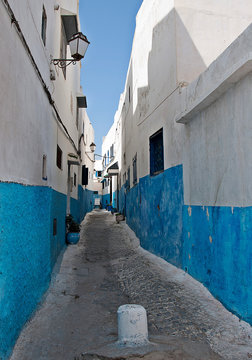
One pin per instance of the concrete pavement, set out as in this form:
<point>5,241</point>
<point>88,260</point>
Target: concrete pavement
<point>106,269</point>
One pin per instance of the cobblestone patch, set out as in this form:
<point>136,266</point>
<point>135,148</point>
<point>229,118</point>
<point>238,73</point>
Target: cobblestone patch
<point>168,312</point>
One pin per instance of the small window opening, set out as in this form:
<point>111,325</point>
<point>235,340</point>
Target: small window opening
<point>75,179</point>
<point>77,116</point>
<point>134,163</point>
<point>156,153</point>
<point>43,26</point>
<point>128,176</point>
<point>54,227</point>
<point>111,151</point>
<point>44,172</point>
<point>59,158</point>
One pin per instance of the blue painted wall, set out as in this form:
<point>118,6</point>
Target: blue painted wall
<point>122,200</point>
<point>84,204</point>
<point>57,209</point>
<point>29,250</point>
<point>154,211</point>
<point>212,243</point>
<point>218,252</point>
<point>105,200</point>
<point>26,255</point>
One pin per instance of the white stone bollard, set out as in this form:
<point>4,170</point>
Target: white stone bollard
<point>132,325</point>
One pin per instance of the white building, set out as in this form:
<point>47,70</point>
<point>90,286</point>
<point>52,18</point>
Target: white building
<point>43,126</point>
<point>185,141</point>
<point>111,150</point>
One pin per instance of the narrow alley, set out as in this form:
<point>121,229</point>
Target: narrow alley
<point>108,268</point>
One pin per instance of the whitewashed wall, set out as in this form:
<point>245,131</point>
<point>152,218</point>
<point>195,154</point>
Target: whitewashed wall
<point>216,109</point>
<point>29,127</point>
<point>173,43</point>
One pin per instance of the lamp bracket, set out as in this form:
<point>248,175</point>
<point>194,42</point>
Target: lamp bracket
<point>63,63</point>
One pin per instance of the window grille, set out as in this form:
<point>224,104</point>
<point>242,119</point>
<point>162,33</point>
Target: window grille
<point>59,158</point>
<point>156,153</point>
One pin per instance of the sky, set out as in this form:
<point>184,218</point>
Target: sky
<point>109,26</point>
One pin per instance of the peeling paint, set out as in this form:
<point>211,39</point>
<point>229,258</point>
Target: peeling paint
<point>207,213</point>
<point>225,268</point>
<point>189,211</point>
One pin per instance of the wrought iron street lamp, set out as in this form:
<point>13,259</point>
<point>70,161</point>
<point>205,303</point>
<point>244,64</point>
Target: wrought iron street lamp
<point>92,147</point>
<point>78,47</point>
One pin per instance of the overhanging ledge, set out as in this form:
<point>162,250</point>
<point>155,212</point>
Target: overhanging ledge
<point>214,91</point>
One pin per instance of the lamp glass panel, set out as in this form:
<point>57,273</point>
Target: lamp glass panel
<point>83,45</point>
<point>74,46</point>
<point>92,148</point>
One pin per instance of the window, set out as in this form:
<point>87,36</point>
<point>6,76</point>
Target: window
<point>59,157</point>
<point>63,47</point>
<point>111,151</point>
<point>128,178</point>
<point>44,173</point>
<point>77,116</point>
<point>75,178</point>
<point>99,173</point>
<point>43,26</point>
<point>134,163</point>
<point>54,227</point>
<point>156,153</point>
<point>108,157</point>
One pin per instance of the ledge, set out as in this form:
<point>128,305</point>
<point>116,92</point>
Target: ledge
<point>214,90</point>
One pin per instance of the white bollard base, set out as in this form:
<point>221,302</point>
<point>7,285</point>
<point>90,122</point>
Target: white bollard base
<point>132,325</point>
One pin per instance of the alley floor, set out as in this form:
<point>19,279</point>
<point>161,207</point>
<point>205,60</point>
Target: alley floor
<point>108,268</point>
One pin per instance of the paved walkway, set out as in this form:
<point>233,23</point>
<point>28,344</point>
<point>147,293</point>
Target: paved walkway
<point>107,269</point>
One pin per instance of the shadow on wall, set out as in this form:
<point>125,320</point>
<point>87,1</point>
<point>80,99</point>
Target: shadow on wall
<point>157,200</point>
<point>173,59</point>
<point>212,244</point>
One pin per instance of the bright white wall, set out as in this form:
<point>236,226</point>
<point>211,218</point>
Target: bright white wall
<point>217,147</point>
<point>172,46</point>
<point>28,127</point>
<point>204,29</point>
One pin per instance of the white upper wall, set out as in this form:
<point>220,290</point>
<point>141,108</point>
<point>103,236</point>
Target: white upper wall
<point>216,109</point>
<point>204,29</point>
<point>174,42</point>
<point>29,128</point>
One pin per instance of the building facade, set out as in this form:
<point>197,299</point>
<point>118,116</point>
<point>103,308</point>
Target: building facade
<point>185,142</point>
<point>44,127</point>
